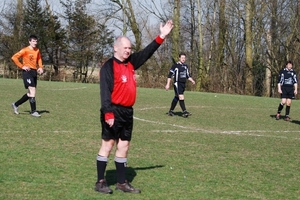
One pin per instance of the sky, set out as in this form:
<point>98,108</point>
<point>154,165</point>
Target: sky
<point>57,8</point>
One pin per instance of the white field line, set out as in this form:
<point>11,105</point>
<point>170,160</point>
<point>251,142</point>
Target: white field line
<point>174,125</point>
<point>55,131</point>
<point>166,107</point>
<point>254,133</point>
<point>79,88</point>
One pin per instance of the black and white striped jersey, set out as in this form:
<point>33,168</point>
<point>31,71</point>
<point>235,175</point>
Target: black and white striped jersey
<point>179,72</point>
<point>287,78</point>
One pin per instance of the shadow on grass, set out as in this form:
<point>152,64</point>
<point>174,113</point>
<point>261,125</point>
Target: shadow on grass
<point>292,121</point>
<point>39,111</point>
<point>176,114</point>
<point>274,116</point>
<point>282,117</point>
<point>295,122</point>
<point>111,175</point>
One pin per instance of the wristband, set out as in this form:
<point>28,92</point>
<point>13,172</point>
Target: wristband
<point>162,36</point>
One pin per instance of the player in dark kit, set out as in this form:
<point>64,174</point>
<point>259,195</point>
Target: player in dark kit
<point>180,74</point>
<point>287,87</point>
<point>118,95</point>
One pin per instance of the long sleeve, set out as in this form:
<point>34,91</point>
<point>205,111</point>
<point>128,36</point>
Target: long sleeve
<point>16,58</point>
<point>30,58</point>
<point>39,60</point>
<point>106,86</point>
<point>139,58</point>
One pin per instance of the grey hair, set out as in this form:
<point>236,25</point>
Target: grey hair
<point>119,38</point>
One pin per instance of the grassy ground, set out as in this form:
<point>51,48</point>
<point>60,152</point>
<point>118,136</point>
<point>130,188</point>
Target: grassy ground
<point>230,148</point>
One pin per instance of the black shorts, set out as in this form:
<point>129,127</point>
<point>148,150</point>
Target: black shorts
<point>29,78</point>
<point>287,93</point>
<point>123,124</point>
<point>179,88</point>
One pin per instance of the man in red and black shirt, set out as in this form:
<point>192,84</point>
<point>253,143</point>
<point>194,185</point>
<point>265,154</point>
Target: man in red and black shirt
<point>118,94</point>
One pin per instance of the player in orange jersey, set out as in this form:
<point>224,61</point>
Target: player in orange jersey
<point>31,65</point>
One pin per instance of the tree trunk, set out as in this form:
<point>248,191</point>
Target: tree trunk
<point>200,55</point>
<point>175,35</point>
<point>249,42</point>
<point>221,46</point>
<point>268,74</point>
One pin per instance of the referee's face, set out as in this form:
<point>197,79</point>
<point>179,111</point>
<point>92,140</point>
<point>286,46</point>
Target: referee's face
<point>122,49</point>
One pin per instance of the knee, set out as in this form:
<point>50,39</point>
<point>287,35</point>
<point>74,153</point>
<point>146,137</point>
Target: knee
<point>122,149</point>
<point>31,92</point>
<point>105,149</point>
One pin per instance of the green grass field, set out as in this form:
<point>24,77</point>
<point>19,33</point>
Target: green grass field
<point>230,148</point>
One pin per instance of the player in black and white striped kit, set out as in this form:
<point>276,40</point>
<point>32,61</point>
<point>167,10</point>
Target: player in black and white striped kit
<point>287,87</point>
<point>180,74</point>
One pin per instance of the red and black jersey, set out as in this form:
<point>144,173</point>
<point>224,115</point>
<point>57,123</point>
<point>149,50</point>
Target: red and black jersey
<point>117,79</point>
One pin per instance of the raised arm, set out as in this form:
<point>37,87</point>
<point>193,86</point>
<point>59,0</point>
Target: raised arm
<point>166,28</point>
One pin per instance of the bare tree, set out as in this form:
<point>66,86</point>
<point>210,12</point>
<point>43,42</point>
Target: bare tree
<point>249,45</point>
<point>11,35</point>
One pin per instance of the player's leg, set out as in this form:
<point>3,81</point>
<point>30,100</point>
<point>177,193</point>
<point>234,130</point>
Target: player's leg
<point>280,107</point>
<point>287,109</point>
<point>32,92</point>
<point>174,101</point>
<point>181,102</point>
<point>181,89</point>
<point>283,97</point>
<point>26,80</point>
<point>31,95</point>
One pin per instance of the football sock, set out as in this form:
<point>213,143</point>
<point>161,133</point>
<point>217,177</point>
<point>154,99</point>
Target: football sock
<point>280,107</point>
<point>23,99</point>
<point>182,105</point>
<point>32,104</point>
<point>174,103</point>
<point>121,169</point>
<point>101,166</point>
<point>287,110</point>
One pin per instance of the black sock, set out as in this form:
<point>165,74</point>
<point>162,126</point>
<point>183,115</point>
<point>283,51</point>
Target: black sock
<point>32,104</point>
<point>182,105</point>
<point>280,107</point>
<point>174,103</point>
<point>287,110</point>
<point>121,169</point>
<point>23,99</point>
<point>101,166</point>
